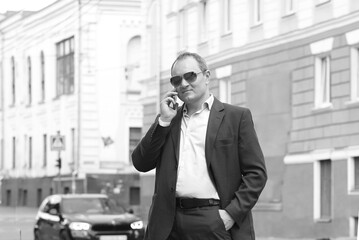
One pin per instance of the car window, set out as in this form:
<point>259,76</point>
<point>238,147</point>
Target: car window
<point>43,205</point>
<point>90,206</point>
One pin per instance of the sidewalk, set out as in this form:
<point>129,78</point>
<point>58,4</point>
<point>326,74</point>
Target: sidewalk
<point>6,211</point>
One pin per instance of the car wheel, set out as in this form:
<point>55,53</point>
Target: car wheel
<point>64,235</point>
<point>37,235</point>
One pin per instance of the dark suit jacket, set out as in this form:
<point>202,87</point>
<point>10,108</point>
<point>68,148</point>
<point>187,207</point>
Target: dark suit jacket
<point>235,164</point>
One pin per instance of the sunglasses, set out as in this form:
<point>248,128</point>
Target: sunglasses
<point>189,77</point>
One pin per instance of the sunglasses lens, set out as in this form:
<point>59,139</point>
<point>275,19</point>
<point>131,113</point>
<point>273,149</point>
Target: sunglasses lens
<point>176,81</point>
<point>190,76</point>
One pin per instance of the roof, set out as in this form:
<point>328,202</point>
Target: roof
<point>81,195</point>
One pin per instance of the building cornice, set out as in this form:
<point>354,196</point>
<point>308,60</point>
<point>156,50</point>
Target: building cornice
<point>322,154</point>
<point>294,36</point>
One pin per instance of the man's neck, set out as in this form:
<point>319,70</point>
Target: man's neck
<point>194,107</point>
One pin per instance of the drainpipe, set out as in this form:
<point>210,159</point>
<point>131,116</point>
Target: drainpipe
<point>159,49</point>
<point>2,105</point>
<point>77,160</point>
<point>2,113</point>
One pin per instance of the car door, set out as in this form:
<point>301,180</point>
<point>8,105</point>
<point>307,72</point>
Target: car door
<point>42,220</point>
<point>53,220</point>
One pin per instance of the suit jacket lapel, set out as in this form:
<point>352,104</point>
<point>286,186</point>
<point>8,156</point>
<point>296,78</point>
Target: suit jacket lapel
<point>175,131</point>
<point>214,121</point>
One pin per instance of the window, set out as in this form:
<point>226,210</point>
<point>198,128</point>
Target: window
<point>135,137</point>
<point>24,198</point>
<point>323,190</point>
<point>225,90</point>
<point>182,30</point>
<point>19,196</point>
<point>73,141</point>
<point>8,197</point>
<point>133,60</point>
<point>322,82</point>
<point>354,95</point>
<point>44,155</point>
<point>13,152</point>
<point>353,174</point>
<point>257,18</point>
<point>13,86</point>
<point>2,155</point>
<point>288,7</point>
<point>42,78</point>
<point>65,67</point>
<point>356,173</point>
<point>29,81</point>
<point>39,196</point>
<point>203,20</point>
<point>322,1</point>
<point>135,196</point>
<point>227,16</point>
<point>353,226</point>
<point>30,152</point>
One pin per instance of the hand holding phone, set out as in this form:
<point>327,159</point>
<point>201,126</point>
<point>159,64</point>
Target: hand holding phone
<point>169,106</point>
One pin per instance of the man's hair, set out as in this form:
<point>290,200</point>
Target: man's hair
<point>200,60</point>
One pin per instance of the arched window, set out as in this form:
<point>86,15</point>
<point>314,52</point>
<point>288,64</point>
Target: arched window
<point>133,57</point>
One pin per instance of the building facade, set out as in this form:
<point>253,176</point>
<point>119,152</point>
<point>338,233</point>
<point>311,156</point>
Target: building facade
<point>70,69</point>
<point>295,65</point>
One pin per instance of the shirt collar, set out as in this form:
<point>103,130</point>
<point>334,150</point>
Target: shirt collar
<point>207,104</point>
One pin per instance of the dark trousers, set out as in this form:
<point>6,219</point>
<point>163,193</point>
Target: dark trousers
<point>202,223</point>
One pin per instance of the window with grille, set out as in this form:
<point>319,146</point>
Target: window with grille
<point>65,67</point>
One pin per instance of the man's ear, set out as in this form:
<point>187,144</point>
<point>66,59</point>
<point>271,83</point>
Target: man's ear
<point>207,74</point>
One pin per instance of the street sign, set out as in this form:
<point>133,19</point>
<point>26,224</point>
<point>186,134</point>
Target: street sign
<point>57,142</point>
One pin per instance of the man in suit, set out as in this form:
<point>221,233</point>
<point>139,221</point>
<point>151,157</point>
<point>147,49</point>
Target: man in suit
<point>210,169</point>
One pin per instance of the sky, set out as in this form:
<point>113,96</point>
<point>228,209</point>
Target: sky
<point>18,5</point>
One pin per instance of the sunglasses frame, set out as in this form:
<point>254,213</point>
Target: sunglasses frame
<point>189,80</point>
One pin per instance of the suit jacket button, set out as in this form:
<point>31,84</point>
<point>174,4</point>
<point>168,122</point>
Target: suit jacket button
<point>172,189</point>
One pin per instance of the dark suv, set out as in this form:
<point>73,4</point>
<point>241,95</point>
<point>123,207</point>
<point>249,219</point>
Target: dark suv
<point>85,216</point>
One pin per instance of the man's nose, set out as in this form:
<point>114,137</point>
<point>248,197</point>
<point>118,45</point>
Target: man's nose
<point>184,83</point>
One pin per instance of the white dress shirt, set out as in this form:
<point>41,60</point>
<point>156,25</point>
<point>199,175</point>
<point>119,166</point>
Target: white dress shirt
<point>193,179</point>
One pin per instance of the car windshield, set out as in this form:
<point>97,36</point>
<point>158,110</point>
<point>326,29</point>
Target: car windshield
<point>90,206</point>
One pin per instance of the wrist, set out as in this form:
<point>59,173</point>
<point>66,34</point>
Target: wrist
<point>164,122</point>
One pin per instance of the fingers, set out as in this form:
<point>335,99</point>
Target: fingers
<point>171,93</point>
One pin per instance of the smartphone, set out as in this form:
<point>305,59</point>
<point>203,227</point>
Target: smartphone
<point>171,105</point>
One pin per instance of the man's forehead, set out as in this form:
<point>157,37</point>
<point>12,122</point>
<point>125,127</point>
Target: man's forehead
<point>187,63</point>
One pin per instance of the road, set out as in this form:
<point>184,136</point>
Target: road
<point>16,223</point>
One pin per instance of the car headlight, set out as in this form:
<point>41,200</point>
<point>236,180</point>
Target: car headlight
<point>79,226</point>
<point>137,225</point>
